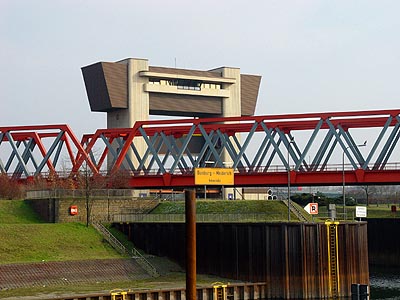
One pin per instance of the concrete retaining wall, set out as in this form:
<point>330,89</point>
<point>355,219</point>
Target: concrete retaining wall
<point>58,210</point>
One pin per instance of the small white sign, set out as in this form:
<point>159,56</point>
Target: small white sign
<point>361,212</point>
<point>312,208</point>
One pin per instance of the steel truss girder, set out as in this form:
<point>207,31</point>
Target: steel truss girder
<point>221,139</point>
<point>29,155</point>
<point>273,138</point>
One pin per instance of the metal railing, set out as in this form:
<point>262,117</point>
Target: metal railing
<point>254,169</point>
<point>339,216</point>
<point>296,211</point>
<point>81,193</point>
<point>200,218</point>
<point>134,253</point>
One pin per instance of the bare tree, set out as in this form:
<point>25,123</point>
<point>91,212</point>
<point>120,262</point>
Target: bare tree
<point>369,190</point>
<point>88,181</point>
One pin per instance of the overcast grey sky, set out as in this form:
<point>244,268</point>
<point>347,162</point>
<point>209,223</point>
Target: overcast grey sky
<point>313,56</point>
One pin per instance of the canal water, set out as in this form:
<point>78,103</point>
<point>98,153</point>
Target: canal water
<point>384,283</point>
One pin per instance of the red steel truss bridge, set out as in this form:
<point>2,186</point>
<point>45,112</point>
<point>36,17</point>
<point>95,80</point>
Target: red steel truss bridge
<point>316,148</point>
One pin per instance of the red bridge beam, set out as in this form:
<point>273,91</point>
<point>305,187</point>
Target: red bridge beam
<point>358,177</point>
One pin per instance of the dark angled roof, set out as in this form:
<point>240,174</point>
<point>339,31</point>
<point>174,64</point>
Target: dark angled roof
<point>249,85</point>
<point>106,85</point>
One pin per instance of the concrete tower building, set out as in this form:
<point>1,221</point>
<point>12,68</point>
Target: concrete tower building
<point>130,90</point>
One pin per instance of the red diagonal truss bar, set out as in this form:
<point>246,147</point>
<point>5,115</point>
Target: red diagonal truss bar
<point>41,132</point>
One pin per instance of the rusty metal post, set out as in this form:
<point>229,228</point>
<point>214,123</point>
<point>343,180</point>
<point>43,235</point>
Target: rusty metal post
<point>190,213</point>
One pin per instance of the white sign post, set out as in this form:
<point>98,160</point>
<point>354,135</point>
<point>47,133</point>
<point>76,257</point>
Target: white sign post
<point>361,212</point>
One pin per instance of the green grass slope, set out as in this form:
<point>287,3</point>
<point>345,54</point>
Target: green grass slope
<point>222,206</point>
<point>17,212</point>
<point>51,242</point>
<point>24,238</point>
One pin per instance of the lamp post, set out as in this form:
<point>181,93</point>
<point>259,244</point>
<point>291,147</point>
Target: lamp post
<point>288,172</point>
<point>344,179</point>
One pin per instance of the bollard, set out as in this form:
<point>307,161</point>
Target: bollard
<point>359,291</point>
<point>332,211</point>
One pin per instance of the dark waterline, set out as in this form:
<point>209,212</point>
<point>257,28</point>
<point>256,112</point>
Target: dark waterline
<point>385,283</point>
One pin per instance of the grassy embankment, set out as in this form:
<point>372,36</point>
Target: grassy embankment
<point>24,238</point>
<point>273,210</point>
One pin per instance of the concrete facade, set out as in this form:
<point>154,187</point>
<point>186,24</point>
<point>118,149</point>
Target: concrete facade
<point>138,101</point>
<point>131,90</point>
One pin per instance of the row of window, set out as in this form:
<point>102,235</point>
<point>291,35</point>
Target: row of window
<point>186,84</point>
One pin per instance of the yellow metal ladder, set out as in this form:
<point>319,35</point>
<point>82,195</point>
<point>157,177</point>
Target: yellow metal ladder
<point>219,291</point>
<point>118,294</point>
<point>333,260</point>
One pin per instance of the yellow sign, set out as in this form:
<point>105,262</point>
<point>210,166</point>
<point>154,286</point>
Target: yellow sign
<point>213,176</point>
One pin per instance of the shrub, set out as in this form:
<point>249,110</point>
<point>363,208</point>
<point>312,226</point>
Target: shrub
<point>10,188</point>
